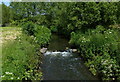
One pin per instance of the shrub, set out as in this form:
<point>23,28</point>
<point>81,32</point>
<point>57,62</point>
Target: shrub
<point>42,35</point>
<point>29,28</point>
<point>53,28</point>
<point>14,23</point>
<point>98,46</point>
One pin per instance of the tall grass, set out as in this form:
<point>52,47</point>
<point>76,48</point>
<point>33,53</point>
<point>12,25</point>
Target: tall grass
<point>20,55</point>
<point>20,59</point>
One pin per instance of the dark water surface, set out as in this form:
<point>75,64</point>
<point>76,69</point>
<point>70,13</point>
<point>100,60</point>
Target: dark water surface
<point>58,43</point>
<point>63,65</point>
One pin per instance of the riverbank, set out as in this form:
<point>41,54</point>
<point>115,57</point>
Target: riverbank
<point>100,49</point>
<point>20,55</point>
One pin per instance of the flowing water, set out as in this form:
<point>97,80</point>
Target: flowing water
<point>63,65</point>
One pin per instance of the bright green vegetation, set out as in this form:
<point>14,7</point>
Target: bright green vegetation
<point>5,14</point>
<point>93,28</point>
<point>101,51</point>
<point>41,33</point>
<point>19,59</point>
<point>21,56</point>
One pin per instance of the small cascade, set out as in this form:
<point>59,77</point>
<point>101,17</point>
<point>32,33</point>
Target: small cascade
<point>64,66</point>
<point>61,63</point>
<point>58,53</point>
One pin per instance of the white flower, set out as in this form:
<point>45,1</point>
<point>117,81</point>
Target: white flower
<point>18,78</point>
<point>110,32</point>
<point>113,78</point>
<point>10,73</point>
<point>3,76</point>
<point>7,72</point>
<point>11,78</point>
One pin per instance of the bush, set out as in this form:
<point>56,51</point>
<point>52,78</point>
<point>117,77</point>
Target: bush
<point>100,46</point>
<point>42,35</point>
<point>53,29</point>
<point>29,28</point>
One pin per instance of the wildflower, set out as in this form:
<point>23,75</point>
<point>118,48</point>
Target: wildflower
<point>7,72</point>
<point>3,76</point>
<point>110,32</point>
<point>18,78</point>
<point>11,78</point>
<point>10,73</point>
<point>113,78</point>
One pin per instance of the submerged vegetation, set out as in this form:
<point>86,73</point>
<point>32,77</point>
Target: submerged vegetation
<point>92,27</point>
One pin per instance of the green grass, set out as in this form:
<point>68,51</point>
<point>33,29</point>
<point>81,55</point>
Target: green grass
<point>9,28</point>
<point>9,34</point>
<point>20,58</point>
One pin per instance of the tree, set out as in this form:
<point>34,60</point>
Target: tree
<point>67,17</point>
<point>0,14</point>
<point>5,15</point>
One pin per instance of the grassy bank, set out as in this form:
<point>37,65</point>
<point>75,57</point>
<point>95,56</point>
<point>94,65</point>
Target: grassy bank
<point>20,55</point>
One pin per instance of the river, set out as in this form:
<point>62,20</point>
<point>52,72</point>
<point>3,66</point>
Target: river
<point>59,64</point>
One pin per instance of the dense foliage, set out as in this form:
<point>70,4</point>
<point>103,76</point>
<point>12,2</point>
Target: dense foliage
<point>90,13</point>
<point>5,15</point>
<point>101,50</point>
<point>29,28</point>
<point>18,54</point>
<point>41,33</point>
<point>64,18</point>
<point>17,57</point>
<point>93,27</point>
<point>0,14</point>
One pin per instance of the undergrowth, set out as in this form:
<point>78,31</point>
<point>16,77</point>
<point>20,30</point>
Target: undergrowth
<point>100,48</point>
<point>20,59</point>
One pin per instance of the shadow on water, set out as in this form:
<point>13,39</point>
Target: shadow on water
<point>63,65</point>
<point>58,43</point>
